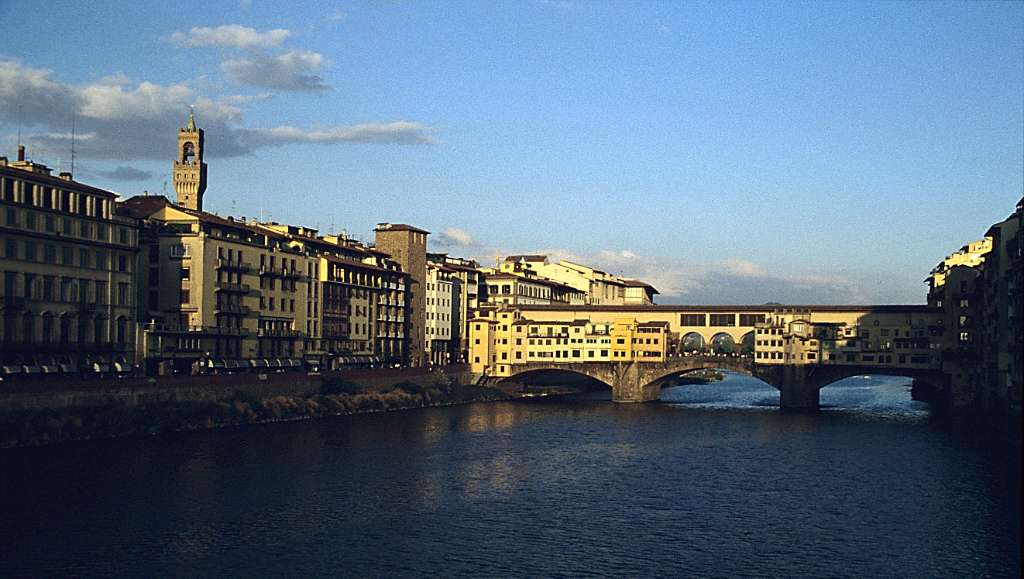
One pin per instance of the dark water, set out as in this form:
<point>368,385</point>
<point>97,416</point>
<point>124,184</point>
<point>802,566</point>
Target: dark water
<point>717,482</point>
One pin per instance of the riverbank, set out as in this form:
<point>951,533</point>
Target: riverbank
<point>335,397</point>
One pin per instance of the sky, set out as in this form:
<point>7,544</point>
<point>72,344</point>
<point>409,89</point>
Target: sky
<point>726,152</point>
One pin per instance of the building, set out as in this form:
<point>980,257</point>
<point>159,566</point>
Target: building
<point>442,310</point>
<point>68,262</point>
<point>407,245</point>
<point>505,340</point>
<point>467,282</point>
<point>899,337</point>
<point>999,328</point>
<point>219,290</point>
<point>570,283</point>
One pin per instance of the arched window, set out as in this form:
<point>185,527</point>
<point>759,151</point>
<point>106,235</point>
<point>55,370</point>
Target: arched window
<point>188,152</point>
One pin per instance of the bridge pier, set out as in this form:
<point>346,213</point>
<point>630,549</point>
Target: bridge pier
<point>796,389</point>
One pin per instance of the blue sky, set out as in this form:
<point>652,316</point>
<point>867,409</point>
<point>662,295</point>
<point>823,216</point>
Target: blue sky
<point>726,152</point>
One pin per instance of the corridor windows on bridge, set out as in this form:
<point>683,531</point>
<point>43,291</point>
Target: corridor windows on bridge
<point>722,320</point>
<point>692,320</point>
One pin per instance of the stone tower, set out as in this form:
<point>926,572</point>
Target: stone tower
<point>408,246</point>
<point>189,168</point>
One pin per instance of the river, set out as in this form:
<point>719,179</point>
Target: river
<point>713,481</point>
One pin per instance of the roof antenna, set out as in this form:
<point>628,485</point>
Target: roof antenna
<point>74,118</point>
<point>19,123</point>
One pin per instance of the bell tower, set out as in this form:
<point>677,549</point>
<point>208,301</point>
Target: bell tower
<point>189,168</point>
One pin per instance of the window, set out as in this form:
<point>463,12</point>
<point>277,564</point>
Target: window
<point>723,319</point>
<point>186,273</point>
<point>122,263</point>
<point>751,319</point>
<point>692,319</point>
<point>184,296</point>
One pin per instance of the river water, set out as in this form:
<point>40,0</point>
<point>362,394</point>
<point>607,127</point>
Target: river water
<point>713,481</point>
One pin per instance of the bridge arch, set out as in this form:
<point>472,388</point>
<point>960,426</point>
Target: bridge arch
<point>574,369</point>
<point>723,343</point>
<point>747,344</point>
<point>692,342</point>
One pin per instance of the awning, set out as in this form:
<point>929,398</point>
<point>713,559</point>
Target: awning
<point>232,364</point>
<point>119,367</point>
<point>68,368</point>
<point>258,363</point>
<point>11,369</point>
<point>33,369</point>
<point>217,364</point>
<point>50,369</point>
<point>273,363</point>
<point>100,368</point>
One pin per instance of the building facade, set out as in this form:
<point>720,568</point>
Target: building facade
<point>902,337</point>
<point>407,245</point>
<point>68,263</point>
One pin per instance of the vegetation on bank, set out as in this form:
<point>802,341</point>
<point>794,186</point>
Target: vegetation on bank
<point>336,397</point>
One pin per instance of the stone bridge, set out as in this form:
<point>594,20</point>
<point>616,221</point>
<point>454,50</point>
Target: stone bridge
<point>799,385</point>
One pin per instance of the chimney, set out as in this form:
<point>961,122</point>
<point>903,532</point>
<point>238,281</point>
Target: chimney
<point>66,176</point>
<point>21,152</point>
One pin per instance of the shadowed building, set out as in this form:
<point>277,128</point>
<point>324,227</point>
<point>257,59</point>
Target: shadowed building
<point>408,246</point>
<point>68,267</point>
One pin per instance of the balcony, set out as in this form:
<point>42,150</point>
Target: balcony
<point>278,333</point>
<point>232,309</point>
<point>239,266</point>
<point>240,288</point>
<point>194,330</point>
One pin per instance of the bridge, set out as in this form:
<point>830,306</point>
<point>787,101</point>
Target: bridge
<point>799,385</point>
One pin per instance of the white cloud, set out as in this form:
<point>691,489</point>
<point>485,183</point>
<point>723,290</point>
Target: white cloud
<point>729,281</point>
<point>230,36</point>
<point>122,120</point>
<point>297,70</point>
<point>454,237</point>
<point>402,132</point>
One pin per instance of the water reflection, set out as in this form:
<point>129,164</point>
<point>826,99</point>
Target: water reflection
<point>705,483</point>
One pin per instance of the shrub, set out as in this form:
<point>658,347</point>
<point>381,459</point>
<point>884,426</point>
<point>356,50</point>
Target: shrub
<point>333,385</point>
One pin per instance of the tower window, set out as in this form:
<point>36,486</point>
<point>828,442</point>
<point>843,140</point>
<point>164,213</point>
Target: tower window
<point>188,153</point>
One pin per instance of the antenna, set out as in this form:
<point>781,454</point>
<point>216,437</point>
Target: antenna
<point>19,124</point>
<point>74,118</point>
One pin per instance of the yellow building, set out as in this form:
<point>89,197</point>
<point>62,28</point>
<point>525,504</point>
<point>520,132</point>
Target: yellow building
<point>903,337</point>
<point>503,339</point>
<point>68,263</point>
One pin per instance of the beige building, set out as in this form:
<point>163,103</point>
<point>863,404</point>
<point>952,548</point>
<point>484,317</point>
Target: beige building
<point>440,345</point>
<point>220,290</point>
<point>467,282</point>
<point>68,265</point>
<point>592,286</point>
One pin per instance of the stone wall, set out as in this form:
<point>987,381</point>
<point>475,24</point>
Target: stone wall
<point>52,393</point>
